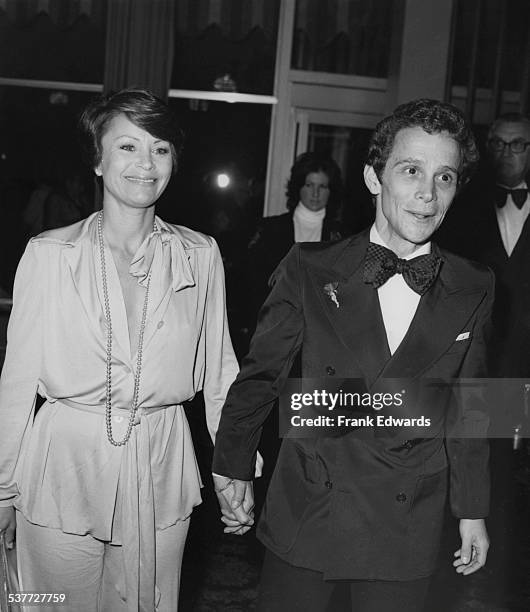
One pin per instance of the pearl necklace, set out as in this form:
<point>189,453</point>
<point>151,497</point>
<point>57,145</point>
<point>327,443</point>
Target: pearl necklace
<point>108,387</point>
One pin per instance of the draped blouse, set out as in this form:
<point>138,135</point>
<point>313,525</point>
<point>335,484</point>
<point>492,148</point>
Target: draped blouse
<point>59,468</point>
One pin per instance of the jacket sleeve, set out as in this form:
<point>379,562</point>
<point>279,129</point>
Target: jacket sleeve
<point>259,267</point>
<point>467,442</point>
<point>277,339</point>
<point>221,365</point>
<point>21,371</point>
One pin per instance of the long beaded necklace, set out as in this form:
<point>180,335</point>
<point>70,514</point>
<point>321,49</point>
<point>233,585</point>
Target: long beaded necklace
<point>138,373</point>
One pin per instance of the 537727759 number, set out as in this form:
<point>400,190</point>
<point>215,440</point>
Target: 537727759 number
<point>29,598</point>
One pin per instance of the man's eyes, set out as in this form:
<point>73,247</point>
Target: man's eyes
<point>447,178</point>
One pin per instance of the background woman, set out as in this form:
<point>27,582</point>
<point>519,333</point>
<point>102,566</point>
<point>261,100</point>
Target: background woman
<point>116,321</point>
<point>314,199</point>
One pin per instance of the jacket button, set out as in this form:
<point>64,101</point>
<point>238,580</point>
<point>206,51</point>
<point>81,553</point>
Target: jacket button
<point>401,498</point>
<point>330,370</point>
<point>328,484</point>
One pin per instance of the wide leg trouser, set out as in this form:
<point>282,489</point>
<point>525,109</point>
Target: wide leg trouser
<point>90,571</point>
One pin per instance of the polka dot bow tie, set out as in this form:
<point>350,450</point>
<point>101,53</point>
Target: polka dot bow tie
<point>381,263</point>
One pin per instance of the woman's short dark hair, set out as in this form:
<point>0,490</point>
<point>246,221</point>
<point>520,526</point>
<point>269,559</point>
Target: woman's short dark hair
<point>315,162</point>
<point>432,116</point>
<point>140,107</point>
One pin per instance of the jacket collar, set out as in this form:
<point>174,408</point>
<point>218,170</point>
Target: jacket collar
<point>441,314</point>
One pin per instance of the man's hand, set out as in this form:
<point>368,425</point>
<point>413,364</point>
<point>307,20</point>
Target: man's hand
<point>475,543</point>
<point>7,524</point>
<point>236,498</point>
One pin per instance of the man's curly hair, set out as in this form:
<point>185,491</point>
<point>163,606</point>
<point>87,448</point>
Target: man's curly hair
<point>432,116</point>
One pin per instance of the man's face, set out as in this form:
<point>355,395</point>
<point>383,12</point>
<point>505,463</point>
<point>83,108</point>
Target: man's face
<point>417,187</point>
<point>510,168</point>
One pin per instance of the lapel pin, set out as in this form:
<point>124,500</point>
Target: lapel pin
<point>330,289</point>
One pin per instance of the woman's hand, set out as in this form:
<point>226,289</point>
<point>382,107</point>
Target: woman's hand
<point>7,524</point>
<point>236,498</point>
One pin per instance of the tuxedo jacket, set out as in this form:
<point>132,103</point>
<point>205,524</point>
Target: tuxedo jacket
<point>472,230</point>
<point>358,508</point>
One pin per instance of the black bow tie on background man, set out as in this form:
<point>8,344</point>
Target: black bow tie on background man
<point>518,196</point>
<point>381,263</point>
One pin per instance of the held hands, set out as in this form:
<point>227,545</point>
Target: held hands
<point>7,524</point>
<point>475,543</point>
<point>236,498</point>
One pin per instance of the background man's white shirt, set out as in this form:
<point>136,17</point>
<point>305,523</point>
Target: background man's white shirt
<point>511,220</point>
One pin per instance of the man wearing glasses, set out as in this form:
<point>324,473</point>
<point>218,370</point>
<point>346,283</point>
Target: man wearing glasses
<point>503,241</point>
<point>490,223</point>
<point>506,249</point>
<point>508,146</point>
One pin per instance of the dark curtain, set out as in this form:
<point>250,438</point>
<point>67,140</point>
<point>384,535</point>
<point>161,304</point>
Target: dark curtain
<point>139,46</point>
<point>62,13</point>
<point>359,44</point>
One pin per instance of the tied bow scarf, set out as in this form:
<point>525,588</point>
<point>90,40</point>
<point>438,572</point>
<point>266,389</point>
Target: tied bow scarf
<point>175,262</point>
<point>518,196</point>
<point>381,263</point>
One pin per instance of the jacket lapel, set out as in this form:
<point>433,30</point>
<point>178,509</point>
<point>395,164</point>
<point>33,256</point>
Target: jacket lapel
<point>357,320</point>
<point>440,317</point>
<point>491,238</point>
<point>520,251</point>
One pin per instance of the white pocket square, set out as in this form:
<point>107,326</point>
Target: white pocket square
<point>463,336</point>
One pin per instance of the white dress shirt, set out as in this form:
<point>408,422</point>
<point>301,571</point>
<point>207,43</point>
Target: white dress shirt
<point>308,224</point>
<point>511,219</point>
<point>397,300</point>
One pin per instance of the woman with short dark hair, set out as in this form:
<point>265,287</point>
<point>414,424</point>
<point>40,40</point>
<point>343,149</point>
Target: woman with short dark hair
<point>117,320</point>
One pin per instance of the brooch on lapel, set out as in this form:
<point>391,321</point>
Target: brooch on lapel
<point>330,289</point>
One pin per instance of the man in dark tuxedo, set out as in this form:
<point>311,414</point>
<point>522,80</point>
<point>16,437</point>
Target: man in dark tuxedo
<point>367,508</point>
<point>490,224</point>
<point>504,243</point>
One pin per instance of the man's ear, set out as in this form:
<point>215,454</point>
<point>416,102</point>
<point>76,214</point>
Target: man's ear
<point>371,180</point>
<point>97,170</point>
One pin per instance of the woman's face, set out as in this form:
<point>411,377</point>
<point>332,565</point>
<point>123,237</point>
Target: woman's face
<point>135,166</point>
<point>314,193</point>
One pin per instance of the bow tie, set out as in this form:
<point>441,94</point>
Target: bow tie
<point>381,263</point>
<point>518,196</point>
